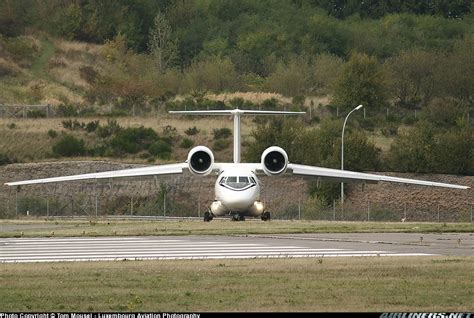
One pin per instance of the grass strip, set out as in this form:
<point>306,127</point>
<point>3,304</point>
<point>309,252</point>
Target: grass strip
<point>396,284</point>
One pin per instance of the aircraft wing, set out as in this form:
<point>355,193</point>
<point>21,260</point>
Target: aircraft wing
<point>134,172</point>
<point>350,176</point>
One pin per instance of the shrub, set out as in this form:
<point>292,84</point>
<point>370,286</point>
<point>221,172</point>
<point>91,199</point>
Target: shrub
<point>21,50</point>
<point>92,126</point>
<point>270,104</point>
<point>132,140</point>
<point>36,113</point>
<point>88,73</point>
<point>186,143</point>
<point>11,126</point>
<point>67,110</point>
<point>52,133</point>
<point>390,130</point>
<point>191,131</point>
<point>69,146</point>
<point>72,125</point>
<point>221,133</point>
<point>4,159</point>
<point>169,131</point>
<point>8,68</point>
<point>161,149</point>
<point>220,144</point>
<point>106,131</point>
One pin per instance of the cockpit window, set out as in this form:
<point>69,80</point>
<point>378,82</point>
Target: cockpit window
<point>244,180</point>
<point>237,182</point>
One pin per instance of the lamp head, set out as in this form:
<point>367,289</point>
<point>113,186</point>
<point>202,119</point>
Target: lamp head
<point>359,107</point>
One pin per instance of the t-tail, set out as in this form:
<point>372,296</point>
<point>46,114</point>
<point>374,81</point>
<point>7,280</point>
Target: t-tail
<point>236,113</point>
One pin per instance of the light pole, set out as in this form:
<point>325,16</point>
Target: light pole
<point>342,150</point>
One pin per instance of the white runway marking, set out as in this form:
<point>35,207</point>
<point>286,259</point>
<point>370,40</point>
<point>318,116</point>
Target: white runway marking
<point>149,248</point>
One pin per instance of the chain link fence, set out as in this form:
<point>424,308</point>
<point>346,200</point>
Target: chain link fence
<point>168,204</point>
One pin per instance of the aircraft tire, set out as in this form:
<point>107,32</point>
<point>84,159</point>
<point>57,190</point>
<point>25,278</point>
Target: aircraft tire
<point>266,216</point>
<point>208,216</point>
<point>238,217</point>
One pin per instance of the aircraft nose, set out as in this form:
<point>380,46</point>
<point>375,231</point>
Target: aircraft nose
<point>238,201</point>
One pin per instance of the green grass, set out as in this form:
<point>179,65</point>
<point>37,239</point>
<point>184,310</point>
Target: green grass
<point>343,284</point>
<point>39,66</point>
<point>101,227</point>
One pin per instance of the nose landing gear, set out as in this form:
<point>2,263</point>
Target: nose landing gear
<point>238,217</point>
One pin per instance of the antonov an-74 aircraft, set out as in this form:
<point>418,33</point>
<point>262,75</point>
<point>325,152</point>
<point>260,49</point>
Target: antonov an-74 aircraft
<point>237,188</point>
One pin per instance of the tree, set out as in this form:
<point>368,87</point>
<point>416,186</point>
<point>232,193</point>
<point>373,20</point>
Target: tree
<point>413,150</point>
<point>292,78</point>
<point>69,22</point>
<point>162,46</point>
<point>11,18</point>
<point>457,72</point>
<point>276,132</point>
<point>454,153</point>
<point>326,70</point>
<point>414,76</point>
<point>214,74</point>
<point>361,82</point>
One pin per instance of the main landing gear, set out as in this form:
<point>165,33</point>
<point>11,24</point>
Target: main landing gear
<point>208,216</point>
<point>266,216</point>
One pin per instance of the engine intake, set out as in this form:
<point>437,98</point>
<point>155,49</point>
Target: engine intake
<point>274,161</point>
<point>200,160</point>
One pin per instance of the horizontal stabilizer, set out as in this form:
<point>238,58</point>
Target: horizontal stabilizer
<point>234,112</point>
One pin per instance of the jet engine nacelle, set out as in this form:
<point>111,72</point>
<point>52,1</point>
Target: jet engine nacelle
<point>274,161</point>
<point>200,160</point>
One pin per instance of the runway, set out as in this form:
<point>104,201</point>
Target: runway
<point>225,247</point>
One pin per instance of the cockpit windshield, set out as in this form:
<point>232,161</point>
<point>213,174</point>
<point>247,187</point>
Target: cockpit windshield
<point>237,182</point>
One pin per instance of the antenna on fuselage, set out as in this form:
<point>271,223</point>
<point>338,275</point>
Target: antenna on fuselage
<point>236,113</point>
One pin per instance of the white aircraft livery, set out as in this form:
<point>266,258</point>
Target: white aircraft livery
<point>237,188</point>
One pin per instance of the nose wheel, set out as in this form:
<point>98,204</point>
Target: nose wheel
<point>266,216</point>
<point>238,217</point>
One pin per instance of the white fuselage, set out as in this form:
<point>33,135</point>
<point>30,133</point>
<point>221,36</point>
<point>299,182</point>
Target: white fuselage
<point>237,190</point>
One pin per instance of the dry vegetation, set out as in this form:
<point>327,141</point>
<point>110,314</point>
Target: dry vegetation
<point>348,284</point>
<point>254,97</point>
<point>105,227</point>
<point>28,140</point>
<point>54,77</point>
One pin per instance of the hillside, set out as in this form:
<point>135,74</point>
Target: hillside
<point>111,71</point>
<point>43,70</point>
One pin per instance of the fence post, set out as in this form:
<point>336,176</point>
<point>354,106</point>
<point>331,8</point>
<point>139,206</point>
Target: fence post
<point>405,211</point>
<point>47,208</point>
<point>334,210</point>
<point>471,213</point>
<point>199,200</point>
<point>299,209</point>
<point>438,213</point>
<point>131,206</point>
<point>16,203</point>
<point>96,205</point>
<point>368,210</point>
<point>164,205</point>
